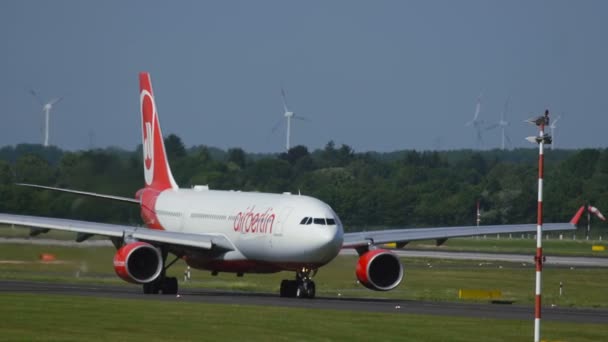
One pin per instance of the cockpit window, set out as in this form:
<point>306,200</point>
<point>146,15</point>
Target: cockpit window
<point>306,220</point>
<point>319,221</point>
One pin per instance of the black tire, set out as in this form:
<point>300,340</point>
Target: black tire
<point>300,291</point>
<point>284,288</point>
<point>151,288</point>
<point>293,289</point>
<point>289,288</point>
<point>311,291</point>
<point>169,285</point>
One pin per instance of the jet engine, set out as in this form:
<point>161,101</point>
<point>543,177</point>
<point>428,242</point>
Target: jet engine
<point>138,262</point>
<point>379,270</point>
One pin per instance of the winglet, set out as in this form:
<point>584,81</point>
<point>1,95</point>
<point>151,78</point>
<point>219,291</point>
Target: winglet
<point>577,216</point>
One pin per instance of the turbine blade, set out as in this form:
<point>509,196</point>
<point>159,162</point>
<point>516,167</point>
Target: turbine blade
<point>35,95</point>
<point>492,126</point>
<point>556,120</point>
<point>477,108</point>
<point>301,118</point>
<point>55,100</point>
<point>284,100</point>
<point>504,112</point>
<point>276,126</point>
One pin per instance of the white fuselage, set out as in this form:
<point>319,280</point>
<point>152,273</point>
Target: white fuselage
<point>269,232</point>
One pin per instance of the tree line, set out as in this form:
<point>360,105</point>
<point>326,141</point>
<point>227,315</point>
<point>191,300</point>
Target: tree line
<point>368,190</point>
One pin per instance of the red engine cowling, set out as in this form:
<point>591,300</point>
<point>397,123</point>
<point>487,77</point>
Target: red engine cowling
<point>138,262</point>
<point>379,270</point>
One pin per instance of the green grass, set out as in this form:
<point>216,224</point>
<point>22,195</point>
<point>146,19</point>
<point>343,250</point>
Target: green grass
<point>71,318</point>
<point>425,279</point>
<point>492,244</point>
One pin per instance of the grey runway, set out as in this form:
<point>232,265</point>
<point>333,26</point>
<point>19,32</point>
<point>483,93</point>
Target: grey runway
<point>395,306</point>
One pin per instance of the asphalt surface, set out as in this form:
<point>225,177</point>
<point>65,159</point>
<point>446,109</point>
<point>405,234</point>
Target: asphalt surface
<point>500,311</point>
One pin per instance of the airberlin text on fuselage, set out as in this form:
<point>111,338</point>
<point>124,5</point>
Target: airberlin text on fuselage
<point>254,222</point>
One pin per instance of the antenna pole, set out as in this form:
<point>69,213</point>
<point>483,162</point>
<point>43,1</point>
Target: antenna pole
<point>539,238</point>
<point>541,139</point>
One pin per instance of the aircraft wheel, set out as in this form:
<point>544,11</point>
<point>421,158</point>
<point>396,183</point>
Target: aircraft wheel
<point>284,286</point>
<point>151,288</point>
<point>300,291</point>
<point>289,288</point>
<point>311,290</point>
<point>169,285</point>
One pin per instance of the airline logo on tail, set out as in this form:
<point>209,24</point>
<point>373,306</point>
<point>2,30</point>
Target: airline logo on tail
<point>148,112</point>
<point>156,168</point>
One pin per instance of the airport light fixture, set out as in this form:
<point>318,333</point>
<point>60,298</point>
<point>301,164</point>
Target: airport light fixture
<point>539,259</point>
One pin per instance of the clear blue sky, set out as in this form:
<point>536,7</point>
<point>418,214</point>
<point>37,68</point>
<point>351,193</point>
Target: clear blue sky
<point>376,75</point>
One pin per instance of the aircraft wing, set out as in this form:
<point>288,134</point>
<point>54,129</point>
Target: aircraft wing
<point>84,193</point>
<point>403,236</point>
<point>202,241</point>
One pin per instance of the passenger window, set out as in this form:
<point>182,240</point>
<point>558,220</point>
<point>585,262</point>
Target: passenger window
<point>330,221</point>
<point>319,221</point>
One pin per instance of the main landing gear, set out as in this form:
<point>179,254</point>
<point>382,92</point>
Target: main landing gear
<point>162,284</point>
<point>302,287</point>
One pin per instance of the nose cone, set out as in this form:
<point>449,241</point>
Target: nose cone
<point>329,241</point>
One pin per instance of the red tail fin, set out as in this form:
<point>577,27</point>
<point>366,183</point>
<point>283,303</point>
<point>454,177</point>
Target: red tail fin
<point>156,166</point>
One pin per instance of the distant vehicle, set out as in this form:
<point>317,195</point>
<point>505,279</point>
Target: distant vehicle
<point>238,232</point>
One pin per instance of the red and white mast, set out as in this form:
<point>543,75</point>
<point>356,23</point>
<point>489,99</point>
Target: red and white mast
<point>542,139</point>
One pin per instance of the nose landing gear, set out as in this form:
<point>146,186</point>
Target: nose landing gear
<point>302,287</point>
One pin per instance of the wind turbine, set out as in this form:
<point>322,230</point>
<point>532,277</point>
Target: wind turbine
<point>553,127</point>
<point>476,122</point>
<point>46,109</point>
<point>503,124</point>
<point>288,114</point>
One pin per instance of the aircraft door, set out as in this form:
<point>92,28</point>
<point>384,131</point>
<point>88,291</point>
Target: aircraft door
<point>283,216</point>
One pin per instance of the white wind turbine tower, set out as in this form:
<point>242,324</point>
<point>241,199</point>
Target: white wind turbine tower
<point>503,124</point>
<point>476,122</point>
<point>46,109</point>
<point>553,127</point>
<point>288,116</point>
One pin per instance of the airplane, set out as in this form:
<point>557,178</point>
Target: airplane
<point>238,232</point>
